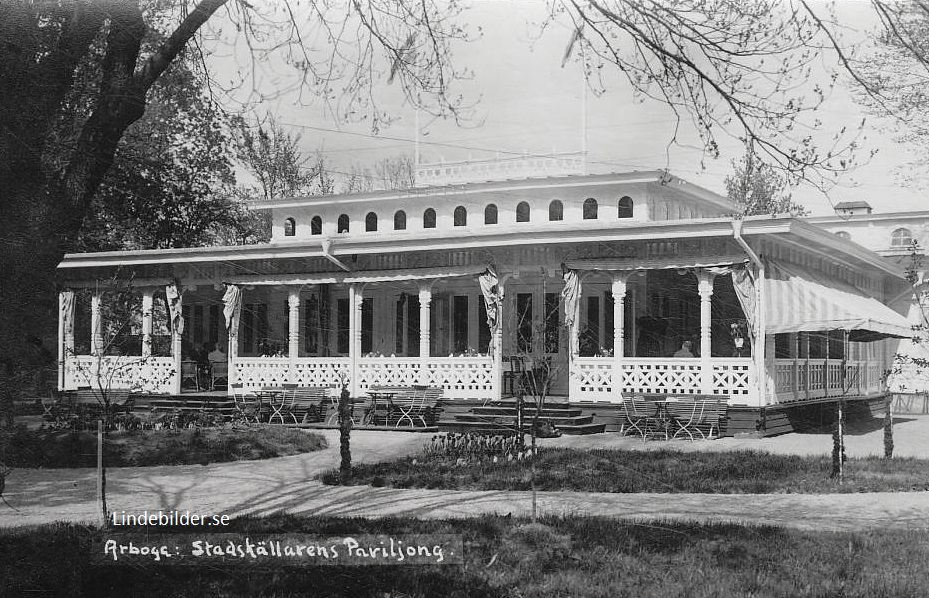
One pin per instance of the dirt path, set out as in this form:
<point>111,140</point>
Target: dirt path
<point>285,484</point>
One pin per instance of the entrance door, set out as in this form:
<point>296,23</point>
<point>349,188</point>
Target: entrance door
<point>536,332</point>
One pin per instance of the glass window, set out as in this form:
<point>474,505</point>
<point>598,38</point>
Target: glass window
<point>843,235</point>
<point>400,220</point>
<point>316,225</point>
<point>902,237</point>
<point>429,218</point>
<point>461,216</point>
<point>555,211</point>
<point>371,222</point>
<point>524,322</point>
<point>552,321</point>
<point>460,323</point>
<point>343,223</point>
<point>490,214</point>
<point>590,209</point>
<point>625,207</point>
<point>522,212</point>
<point>367,325</point>
<point>290,227</point>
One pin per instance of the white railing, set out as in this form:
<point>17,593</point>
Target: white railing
<point>141,374</point>
<point>592,378</point>
<point>256,372</point>
<point>799,379</point>
<point>459,377</point>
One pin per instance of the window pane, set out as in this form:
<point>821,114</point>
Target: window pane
<point>524,322</point>
<point>460,323</point>
<point>552,320</point>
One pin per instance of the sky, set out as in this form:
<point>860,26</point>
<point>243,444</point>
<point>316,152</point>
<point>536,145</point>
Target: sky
<point>526,102</point>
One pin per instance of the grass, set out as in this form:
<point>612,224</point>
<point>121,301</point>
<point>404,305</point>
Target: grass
<point>559,469</point>
<point>576,556</point>
<point>65,449</point>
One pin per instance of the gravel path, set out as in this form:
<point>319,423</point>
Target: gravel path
<point>286,484</point>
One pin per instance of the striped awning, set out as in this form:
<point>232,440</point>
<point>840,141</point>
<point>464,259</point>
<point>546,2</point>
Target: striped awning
<point>797,300</point>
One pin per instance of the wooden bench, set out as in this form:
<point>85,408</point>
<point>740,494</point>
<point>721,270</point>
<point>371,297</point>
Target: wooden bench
<point>698,414</point>
<point>409,404</point>
<point>310,404</point>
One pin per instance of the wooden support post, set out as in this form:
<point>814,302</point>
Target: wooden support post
<point>425,304</point>
<point>619,309</point>
<point>293,331</point>
<point>705,289</point>
<point>147,322</point>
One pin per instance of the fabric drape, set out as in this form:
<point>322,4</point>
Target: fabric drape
<point>232,307</point>
<point>744,285</point>
<point>571,297</point>
<point>490,289</point>
<point>67,312</point>
<point>175,307</point>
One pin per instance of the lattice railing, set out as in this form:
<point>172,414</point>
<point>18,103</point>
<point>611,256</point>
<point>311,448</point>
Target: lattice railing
<point>592,377</point>
<point>321,371</point>
<point>140,374</point>
<point>459,377</point>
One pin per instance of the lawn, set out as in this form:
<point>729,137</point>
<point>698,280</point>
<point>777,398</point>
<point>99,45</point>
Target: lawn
<point>576,556</point>
<point>63,449</point>
<point>560,469</point>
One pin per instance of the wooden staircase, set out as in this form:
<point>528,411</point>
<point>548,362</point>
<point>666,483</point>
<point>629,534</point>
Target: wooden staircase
<point>500,416</point>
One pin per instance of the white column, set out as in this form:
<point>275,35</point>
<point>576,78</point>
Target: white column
<point>619,309</point>
<point>354,335</point>
<point>759,344</point>
<point>176,350</point>
<point>147,307</point>
<point>65,342</point>
<point>293,330</point>
<point>96,325</point>
<point>425,304</point>
<point>705,289</point>
<point>497,340</point>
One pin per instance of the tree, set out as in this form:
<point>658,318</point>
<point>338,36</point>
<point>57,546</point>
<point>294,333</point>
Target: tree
<point>171,178</point>
<point>77,75</point>
<point>759,188</point>
<point>898,83</point>
<point>398,172</point>
<point>272,155</point>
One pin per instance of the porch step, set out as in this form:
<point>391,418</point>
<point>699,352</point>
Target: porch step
<point>527,410</point>
<point>500,417</point>
<point>483,427</point>
<point>511,419</point>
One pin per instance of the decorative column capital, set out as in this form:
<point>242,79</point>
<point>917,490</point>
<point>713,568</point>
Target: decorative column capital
<point>619,286</point>
<point>705,283</point>
<point>293,298</point>
<point>425,296</point>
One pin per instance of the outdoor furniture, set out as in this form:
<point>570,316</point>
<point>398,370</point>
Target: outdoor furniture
<point>279,398</point>
<point>246,403</point>
<point>190,372</point>
<point>219,372</point>
<point>639,415</point>
<point>382,397</point>
<point>714,410</point>
<point>309,404</point>
<point>684,415</point>
<point>513,377</point>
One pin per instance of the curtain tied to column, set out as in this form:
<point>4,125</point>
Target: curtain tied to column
<point>232,307</point>
<point>571,295</point>
<point>67,312</point>
<point>175,307</point>
<point>491,291</point>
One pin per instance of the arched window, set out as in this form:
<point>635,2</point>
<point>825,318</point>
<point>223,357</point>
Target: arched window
<point>290,227</point>
<point>400,220</point>
<point>316,225</point>
<point>625,207</point>
<point>429,218</point>
<point>490,214</point>
<point>902,237</point>
<point>522,212</point>
<point>555,211</point>
<point>590,209</point>
<point>371,222</point>
<point>343,223</point>
<point>843,234</point>
<point>461,216</point>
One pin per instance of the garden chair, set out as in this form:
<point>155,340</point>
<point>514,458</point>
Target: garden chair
<point>684,416</point>
<point>219,372</point>
<point>245,403</point>
<point>190,372</point>
<point>639,416</point>
<point>713,411</point>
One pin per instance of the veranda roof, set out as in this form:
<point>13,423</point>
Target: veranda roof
<point>797,300</point>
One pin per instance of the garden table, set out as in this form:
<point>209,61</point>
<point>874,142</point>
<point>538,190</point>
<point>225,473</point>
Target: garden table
<point>371,412</point>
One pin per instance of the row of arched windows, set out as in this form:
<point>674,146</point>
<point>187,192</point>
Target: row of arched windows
<point>624,209</point>
<point>901,237</point>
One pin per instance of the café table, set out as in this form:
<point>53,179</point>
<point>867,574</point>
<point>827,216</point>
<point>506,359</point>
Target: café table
<point>378,396</point>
